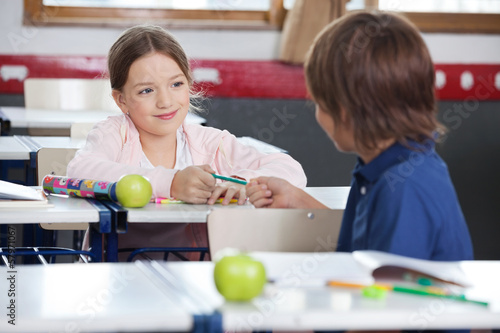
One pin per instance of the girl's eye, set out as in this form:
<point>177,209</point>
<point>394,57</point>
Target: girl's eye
<point>146,91</point>
<point>177,84</point>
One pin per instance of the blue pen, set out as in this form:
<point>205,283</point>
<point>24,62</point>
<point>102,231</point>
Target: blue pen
<point>230,179</point>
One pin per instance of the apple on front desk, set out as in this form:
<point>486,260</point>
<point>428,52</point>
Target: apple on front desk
<point>239,277</point>
<point>133,191</point>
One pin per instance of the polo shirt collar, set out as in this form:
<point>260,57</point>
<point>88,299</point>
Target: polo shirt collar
<point>395,154</point>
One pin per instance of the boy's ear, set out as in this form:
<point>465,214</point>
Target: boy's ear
<point>120,100</point>
<point>345,119</point>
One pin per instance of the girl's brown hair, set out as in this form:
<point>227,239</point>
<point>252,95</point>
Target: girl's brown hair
<point>142,40</point>
<point>375,67</point>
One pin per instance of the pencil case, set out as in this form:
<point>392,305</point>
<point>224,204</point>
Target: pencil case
<point>78,187</point>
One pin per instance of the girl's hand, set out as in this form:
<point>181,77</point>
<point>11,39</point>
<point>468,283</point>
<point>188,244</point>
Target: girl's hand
<point>194,184</point>
<point>229,190</point>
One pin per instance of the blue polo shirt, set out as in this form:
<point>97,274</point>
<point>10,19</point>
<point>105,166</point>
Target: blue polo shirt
<point>404,202</point>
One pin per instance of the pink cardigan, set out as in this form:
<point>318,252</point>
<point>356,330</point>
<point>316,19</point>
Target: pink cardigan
<point>113,149</point>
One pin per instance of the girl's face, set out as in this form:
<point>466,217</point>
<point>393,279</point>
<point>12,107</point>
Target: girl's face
<point>341,134</point>
<point>156,95</point>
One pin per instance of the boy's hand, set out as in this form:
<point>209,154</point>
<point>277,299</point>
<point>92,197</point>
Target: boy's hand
<point>193,184</point>
<point>229,190</point>
<point>270,192</point>
<point>273,192</point>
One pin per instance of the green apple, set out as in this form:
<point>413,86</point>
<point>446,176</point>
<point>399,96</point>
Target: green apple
<point>133,191</point>
<point>239,277</point>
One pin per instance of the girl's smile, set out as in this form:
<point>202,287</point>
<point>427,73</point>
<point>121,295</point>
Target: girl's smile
<point>167,116</point>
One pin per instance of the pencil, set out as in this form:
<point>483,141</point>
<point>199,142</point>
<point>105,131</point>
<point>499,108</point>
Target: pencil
<point>161,200</point>
<point>230,179</point>
<point>354,285</point>
<point>426,291</point>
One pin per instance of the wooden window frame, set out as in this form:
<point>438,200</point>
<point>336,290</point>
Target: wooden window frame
<point>456,22</point>
<point>36,13</point>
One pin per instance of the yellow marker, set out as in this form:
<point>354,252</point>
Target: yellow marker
<point>231,201</point>
<point>175,201</point>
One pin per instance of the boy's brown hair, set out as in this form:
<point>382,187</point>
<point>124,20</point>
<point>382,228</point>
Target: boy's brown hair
<point>377,68</point>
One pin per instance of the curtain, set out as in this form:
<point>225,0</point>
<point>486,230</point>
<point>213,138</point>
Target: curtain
<point>303,22</point>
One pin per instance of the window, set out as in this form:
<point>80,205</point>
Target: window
<point>254,14</point>
<point>453,6</point>
<point>481,16</point>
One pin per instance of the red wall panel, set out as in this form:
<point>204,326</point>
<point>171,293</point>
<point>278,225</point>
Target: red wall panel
<point>253,79</point>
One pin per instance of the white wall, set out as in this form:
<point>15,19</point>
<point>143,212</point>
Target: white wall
<point>16,39</point>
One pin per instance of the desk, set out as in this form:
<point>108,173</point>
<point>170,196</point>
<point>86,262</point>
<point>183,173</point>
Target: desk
<point>110,219</point>
<point>326,308</point>
<point>13,149</point>
<point>24,148</point>
<point>37,142</point>
<point>64,210</point>
<point>95,298</point>
<point>21,118</point>
<point>163,296</point>
<point>333,197</point>
<point>261,146</point>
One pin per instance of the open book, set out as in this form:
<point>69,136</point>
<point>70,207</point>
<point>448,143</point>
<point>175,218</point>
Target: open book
<point>14,196</point>
<point>363,267</point>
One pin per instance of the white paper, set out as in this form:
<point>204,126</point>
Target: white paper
<point>312,268</point>
<point>445,270</point>
<point>10,190</point>
<point>357,267</point>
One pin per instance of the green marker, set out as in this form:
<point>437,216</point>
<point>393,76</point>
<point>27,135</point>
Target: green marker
<point>230,179</point>
<point>424,292</point>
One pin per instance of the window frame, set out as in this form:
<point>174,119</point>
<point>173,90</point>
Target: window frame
<point>36,13</point>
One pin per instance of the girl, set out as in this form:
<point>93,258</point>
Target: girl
<point>151,83</point>
<point>372,79</point>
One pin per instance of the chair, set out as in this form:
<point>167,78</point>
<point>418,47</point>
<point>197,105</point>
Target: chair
<point>50,161</point>
<point>284,230</point>
<point>54,161</point>
<point>68,94</point>
<point>80,130</point>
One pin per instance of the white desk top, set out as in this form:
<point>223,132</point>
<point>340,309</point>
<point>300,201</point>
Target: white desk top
<point>176,213</point>
<point>328,308</point>
<point>163,296</point>
<point>58,141</point>
<point>13,149</point>
<point>21,117</point>
<point>333,197</point>
<point>76,210</point>
<point>64,210</point>
<point>93,298</point>
<point>18,147</point>
<point>261,146</point>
